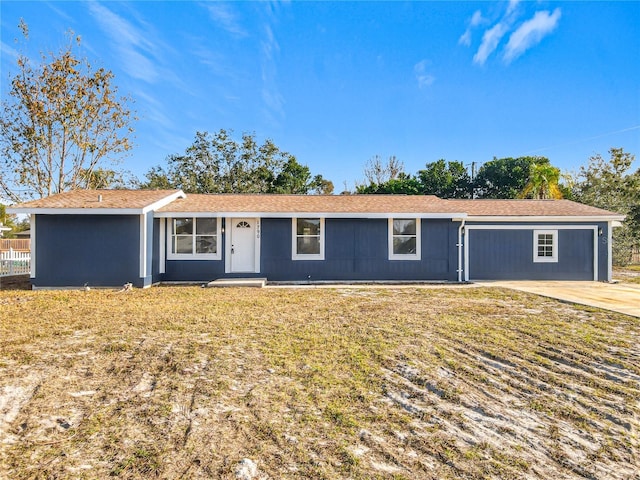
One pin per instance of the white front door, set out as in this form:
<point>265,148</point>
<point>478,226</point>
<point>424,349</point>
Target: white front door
<point>242,245</point>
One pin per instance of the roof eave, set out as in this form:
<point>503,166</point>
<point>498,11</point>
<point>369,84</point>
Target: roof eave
<point>327,214</point>
<point>98,211</point>
<point>545,218</point>
<point>76,211</point>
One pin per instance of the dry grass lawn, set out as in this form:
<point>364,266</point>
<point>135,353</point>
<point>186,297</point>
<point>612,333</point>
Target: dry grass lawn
<point>355,383</point>
<point>628,274</point>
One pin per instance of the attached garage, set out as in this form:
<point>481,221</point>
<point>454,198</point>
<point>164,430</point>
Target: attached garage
<point>533,252</point>
<point>536,240</point>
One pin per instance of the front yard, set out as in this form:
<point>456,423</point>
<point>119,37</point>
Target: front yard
<point>185,382</point>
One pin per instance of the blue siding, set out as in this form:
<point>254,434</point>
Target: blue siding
<point>357,249</point>
<point>508,255</point>
<point>194,270</point>
<point>101,250</point>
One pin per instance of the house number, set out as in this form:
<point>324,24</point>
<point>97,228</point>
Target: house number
<point>258,229</point>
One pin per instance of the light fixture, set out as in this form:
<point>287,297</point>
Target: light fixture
<point>600,231</point>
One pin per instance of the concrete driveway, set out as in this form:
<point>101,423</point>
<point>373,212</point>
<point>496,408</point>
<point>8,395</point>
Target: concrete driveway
<point>617,297</point>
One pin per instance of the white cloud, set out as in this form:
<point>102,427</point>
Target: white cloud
<point>476,19</point>
<point>512,6</point>
<point>59,12</point>
<point>8,51</point>
<point>223,15</point>
<point>271,95</point>
<point>490,41</point>
<point>153,110</point>
<point>530,33</point>
<point>525,36</point>
<point>465,38</point>
<point>132,44</point>
<point>424,78</point>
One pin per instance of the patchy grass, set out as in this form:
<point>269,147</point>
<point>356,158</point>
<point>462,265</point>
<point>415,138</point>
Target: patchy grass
<point>315,383</point>
<point>628,274</point>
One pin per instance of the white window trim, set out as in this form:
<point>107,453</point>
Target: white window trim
<point>143,245</point>
<point>413,256</point>
<point>163,245</point>
<point>193,256</point>
<point>294,242</point>
<point>554,246</point>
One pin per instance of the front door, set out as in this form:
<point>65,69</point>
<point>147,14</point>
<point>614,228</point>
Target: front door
<point>242,250</point>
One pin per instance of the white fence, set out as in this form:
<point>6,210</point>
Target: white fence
<point>14,263</point>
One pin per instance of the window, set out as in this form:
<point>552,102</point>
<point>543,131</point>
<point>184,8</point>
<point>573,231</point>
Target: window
<point>404,239</point>
<point>193,238</point>
<point>545,245</point>
<point>308,239</point>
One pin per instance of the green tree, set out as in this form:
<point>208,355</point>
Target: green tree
<point>445,179</point>
<point>296,178</point>
<point>505,177</point>
<point>106,178</point>
<point>157,179</point>
<point>611,185</point>
<point>60,120</point>
<point>543,182</point>
<point>216,163</point>
<point>403,184</point>
<point>8,221</point>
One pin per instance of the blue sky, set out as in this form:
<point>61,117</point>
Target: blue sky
<point>335,83</point>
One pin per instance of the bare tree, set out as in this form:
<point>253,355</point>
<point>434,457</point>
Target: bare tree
<point>378,172</point>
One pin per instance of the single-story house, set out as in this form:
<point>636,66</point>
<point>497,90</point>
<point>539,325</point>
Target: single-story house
<point>112,237</point>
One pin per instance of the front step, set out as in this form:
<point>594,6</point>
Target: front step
<point>238,282</point>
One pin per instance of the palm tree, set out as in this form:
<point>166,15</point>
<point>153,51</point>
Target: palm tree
<point>542,183</point>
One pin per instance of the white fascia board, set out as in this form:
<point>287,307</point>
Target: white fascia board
<point>165,201</point>
<point>451,216</point>
<point>545,218</point>
<point>77,211</point>
<point>537,226</point>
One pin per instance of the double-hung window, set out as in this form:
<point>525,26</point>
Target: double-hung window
<point>194,238</point>
<point>308,239</point>
<point>404,239</point>
<point>545,246</point>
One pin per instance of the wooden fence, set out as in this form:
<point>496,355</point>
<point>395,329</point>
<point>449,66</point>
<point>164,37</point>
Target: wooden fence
<point>635,256</point>
<point>15,244</point>
<point>14,263</point>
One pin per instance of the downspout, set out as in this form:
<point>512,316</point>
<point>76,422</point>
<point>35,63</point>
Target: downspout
<point>459,245</point>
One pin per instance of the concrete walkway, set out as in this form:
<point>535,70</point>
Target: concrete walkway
<point>617,297</point>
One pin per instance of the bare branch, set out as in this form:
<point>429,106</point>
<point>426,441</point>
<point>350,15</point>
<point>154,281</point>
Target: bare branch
<point>61,119</point>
